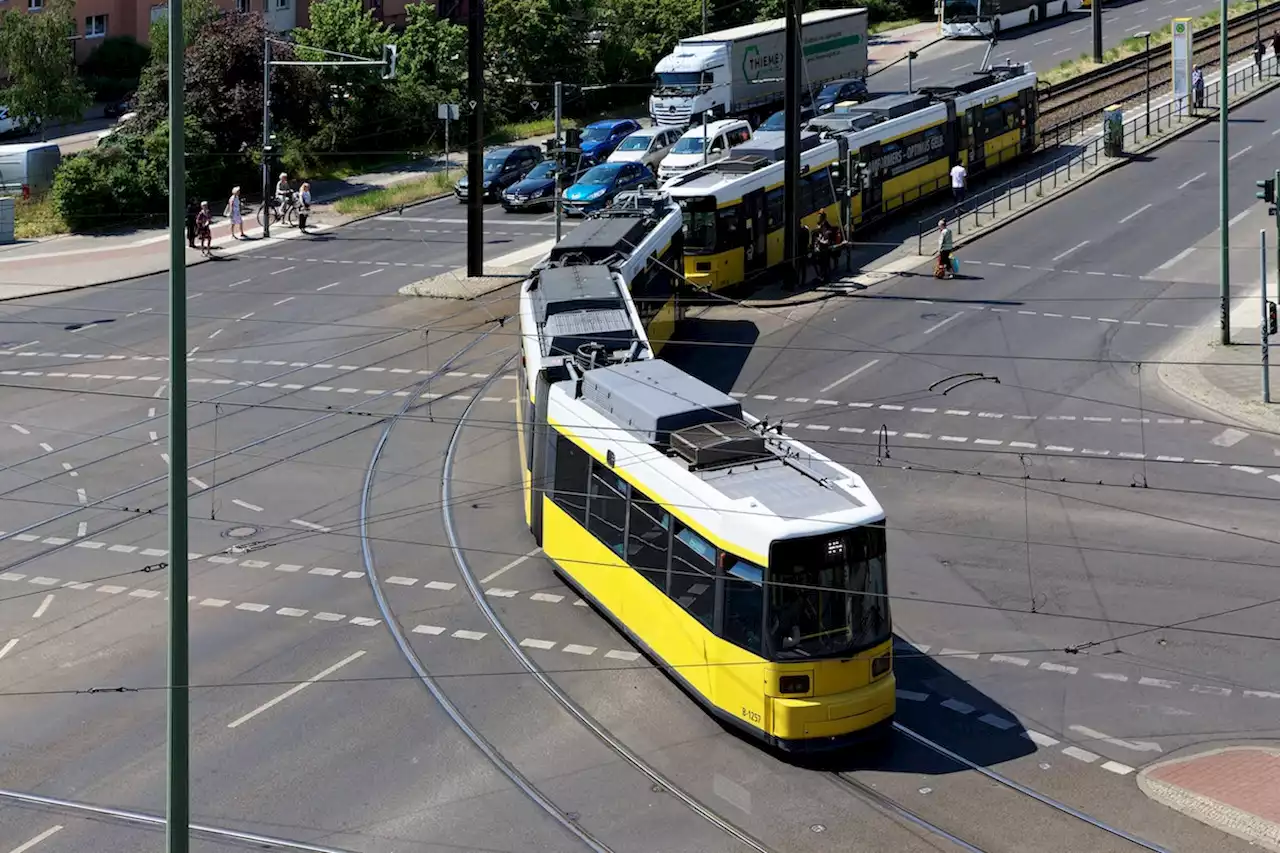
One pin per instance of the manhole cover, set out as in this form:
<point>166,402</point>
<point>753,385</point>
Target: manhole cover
<point>243,532</point>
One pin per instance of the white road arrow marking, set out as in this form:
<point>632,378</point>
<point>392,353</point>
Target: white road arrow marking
<point>1135,745</point>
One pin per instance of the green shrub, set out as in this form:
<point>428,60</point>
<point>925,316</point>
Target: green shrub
<point>113,69</point>
<point>81,194</point>
<point>885,10</point>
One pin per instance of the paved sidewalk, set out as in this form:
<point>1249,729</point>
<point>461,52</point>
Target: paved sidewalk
<point>892,45</point>
<point>1236,789</point>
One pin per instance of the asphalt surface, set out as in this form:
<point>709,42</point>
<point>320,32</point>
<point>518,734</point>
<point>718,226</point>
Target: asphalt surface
<point>1020,527</point>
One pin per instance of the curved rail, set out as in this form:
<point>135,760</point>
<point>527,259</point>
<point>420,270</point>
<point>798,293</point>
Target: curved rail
<point>411,657</point>
<point>892,807</point>
<point>577,711</point>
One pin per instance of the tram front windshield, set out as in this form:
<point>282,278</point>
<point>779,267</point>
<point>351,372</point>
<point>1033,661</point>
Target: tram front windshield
<point>960,11</point>
<point>827,594</point>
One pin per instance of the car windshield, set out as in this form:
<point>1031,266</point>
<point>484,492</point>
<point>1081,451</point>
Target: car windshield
<point>495,162</point>
<point>545,169</point>
<point>595,134</point>
<point>602,174</point>
<point>828,595</point>
<point>635,142</point>
<point>691,144</point>
<point>777,121</point>
<point>832,90</point>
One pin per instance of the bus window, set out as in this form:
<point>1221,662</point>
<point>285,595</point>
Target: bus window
<point>570,485</point>
<point>699,232</point>
<point>693,574</point>
<point>744,604</point>
<point>649,540</point>
<point>607,511</point>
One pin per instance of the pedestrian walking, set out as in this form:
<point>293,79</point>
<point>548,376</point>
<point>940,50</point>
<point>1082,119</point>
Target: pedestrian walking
<point>236,214</point>
<point>193,210</point>
<point>946,245</point>
<point>1275,50</point>
<point>959,182</point>
<point>304,205</point>
<point>204,221</point>
<point>1258,50</point>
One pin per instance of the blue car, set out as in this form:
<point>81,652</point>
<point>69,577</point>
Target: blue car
<point>538,188</point>
<point>601,137</point>
<point>601,183</point>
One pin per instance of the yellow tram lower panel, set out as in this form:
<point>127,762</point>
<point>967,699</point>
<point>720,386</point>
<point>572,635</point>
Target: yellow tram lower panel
<point>730,681</point>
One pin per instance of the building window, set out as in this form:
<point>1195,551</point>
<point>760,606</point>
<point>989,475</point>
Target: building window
<point>158,12</point>
<point>282,5</point>
<point>95,26</point>
<point>35,5</point>
<point>242,6</point>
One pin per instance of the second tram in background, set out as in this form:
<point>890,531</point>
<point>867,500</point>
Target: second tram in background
<point>750,568</point>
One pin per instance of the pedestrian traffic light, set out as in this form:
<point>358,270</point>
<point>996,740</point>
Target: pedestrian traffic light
<point>389,52</point>
<point>1271,318</point>
<point>1268,191</point>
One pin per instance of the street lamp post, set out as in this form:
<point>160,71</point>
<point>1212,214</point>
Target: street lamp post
<point>1146,35</point>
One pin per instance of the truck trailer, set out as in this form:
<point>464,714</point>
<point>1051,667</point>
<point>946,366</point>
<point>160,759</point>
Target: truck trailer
<point>738,73</point>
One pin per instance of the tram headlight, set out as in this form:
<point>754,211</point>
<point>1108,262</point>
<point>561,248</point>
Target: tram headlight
<point>880,665</point>
<point>790,684</point>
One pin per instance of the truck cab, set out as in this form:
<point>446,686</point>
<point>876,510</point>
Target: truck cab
<point>690,81</point>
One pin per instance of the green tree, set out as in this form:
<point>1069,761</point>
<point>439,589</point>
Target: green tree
<point>433,54</point>
<point>635,34</point>
<point>39,56</point>
<point>195,15</point>
<point>530,44</point>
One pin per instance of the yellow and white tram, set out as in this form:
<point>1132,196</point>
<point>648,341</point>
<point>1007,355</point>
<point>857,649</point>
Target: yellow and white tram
<point>880,159</point>
<point>749,567</point>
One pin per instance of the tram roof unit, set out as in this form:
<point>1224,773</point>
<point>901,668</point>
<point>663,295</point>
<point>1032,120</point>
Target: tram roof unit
<point>691,447</point>
<point>563,308</point>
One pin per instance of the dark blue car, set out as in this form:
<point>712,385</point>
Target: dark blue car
<point>538,188</point>
<point>600,137</point>
<point>600,184</point>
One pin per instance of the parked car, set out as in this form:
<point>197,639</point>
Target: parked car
<point>600,137</point>
<point>502,168</point>
<point>600,184</point>
<point>9,124</point>
<point>647,146</point>
<point>120,108</point>
<point>837,91</point>
<point>538,188</point>
<point>703,144</point>
<point>777,123</point>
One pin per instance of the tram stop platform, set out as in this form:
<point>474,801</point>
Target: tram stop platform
<point>1235,789</point>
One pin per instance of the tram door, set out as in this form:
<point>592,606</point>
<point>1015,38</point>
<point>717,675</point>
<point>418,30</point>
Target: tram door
<point>1027,115</point>
<point>755,222</point>
<point>977,139</point>
<point>872,181</point>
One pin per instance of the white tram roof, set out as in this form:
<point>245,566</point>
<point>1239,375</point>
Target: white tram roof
<point>657,420</point>
<point>566,307</point>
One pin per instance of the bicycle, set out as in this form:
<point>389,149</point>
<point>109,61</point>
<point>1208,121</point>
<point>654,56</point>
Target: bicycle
<point>286,212</point>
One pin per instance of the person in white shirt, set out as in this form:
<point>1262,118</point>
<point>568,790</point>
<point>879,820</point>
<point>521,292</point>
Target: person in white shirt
<point>304,205</point>
<point>959,175</point>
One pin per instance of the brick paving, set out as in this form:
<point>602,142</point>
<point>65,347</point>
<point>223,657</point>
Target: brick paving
<point>1236,789</point>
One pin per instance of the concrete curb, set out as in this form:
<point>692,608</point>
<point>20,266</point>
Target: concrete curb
<point>878,274</point>
<point>1184,379</point>
<point>452,285</point>
<point>1233,821</point>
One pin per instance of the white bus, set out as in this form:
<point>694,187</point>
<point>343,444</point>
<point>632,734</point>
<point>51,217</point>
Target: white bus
<point>986,18</point>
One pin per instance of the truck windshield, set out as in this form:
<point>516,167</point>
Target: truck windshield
<point>827,594</point>
<point>960,11</point>
<point>677,81</point>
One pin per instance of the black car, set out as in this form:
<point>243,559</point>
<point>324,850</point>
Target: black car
<point>502,168</point>
<point>115,109</point>
<point>851,89</point>
<point>537,189</point>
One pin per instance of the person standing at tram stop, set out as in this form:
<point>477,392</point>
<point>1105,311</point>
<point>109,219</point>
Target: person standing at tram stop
<point>1197,87</point>
<point>959,181</point>
<point>946,246</point>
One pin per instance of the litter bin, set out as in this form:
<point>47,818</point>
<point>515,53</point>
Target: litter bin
<point>1113,131</point>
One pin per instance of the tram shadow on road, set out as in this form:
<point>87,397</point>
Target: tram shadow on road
<point>944,709</point>
<point>714,351</point>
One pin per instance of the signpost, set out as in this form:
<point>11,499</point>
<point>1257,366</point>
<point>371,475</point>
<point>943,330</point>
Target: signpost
<point>447,113</point>
<point>1181,63</point>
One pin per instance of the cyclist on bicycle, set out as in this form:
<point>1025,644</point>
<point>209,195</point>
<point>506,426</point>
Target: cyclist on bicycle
<point>283,190</point>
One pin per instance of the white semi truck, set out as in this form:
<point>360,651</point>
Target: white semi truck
<point>739,72</point>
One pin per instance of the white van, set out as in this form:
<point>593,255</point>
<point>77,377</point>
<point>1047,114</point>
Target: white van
<point>28,167</point>
<point>701,145</point>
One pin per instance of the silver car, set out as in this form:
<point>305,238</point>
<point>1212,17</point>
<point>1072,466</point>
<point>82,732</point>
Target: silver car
<point>647,146</point>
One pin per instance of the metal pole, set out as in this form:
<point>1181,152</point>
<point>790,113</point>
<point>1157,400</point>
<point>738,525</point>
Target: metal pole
<point>266,134</point>
<point>1095,14</point>
<point>1266,356</point>
<point>1148,35</point>
<point>704,16</point>
<point>1224,283</point>
<point>704,137</point>
<point>791,113</point>
<point>475,145</point>
<point>447,153</point>
<point>560,158</point>
<point>177,795</point>
<point>910,88</point>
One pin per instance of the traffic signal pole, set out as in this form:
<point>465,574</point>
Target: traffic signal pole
<point>475,145</point>
<point>1267,326</point>
<point>792,249</point>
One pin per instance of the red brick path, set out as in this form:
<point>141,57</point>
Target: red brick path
<point>1243,778</point>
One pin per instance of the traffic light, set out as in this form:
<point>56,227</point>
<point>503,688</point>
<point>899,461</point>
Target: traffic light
<point>1268,191</point>
<point>551,146</point>
<point>389,52</point>
<point>572,138</point>
<point>1271,318</point>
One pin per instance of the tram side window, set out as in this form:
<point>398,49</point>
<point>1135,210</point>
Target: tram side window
<point>607,511</point>
<point>1012,114</point>
<point>823,195</point>
<point>693,574</point>
<point>573,467</point>
<point>993,122</point>
<point>649,540</point>
<point>744,605</point>
<point>728,232</point>
<point>774,202</point>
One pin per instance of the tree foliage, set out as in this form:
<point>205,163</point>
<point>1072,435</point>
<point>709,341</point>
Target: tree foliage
<point>39,56</point>
<point>530,44</point>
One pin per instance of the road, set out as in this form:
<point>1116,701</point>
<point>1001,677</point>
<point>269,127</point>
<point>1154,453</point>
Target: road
<point>1075,504</point>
